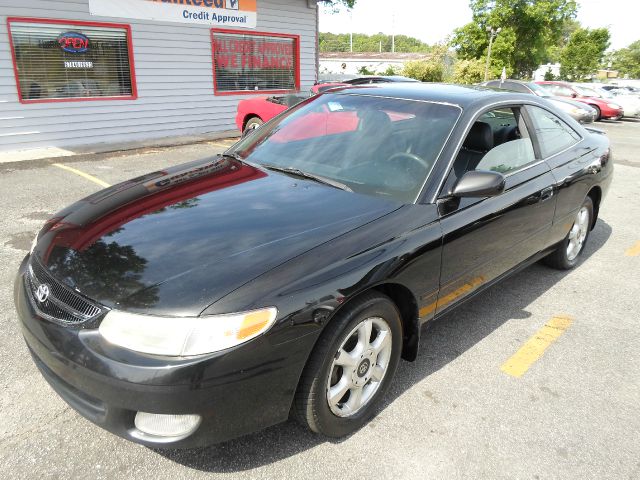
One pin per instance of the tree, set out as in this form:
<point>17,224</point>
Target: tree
<point>431,70</point>
<point>336,5</point>
<point>528,27</point>
<point>582,56</point>
<point>627,60</point>
<point>555,49</point>
<point>469,72</point>
<point>340,42</point>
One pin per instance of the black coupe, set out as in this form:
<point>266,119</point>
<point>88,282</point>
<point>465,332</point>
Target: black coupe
<point>288,276</point>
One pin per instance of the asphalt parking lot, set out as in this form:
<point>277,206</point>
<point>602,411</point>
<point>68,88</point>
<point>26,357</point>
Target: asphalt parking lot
<point>454,413</point>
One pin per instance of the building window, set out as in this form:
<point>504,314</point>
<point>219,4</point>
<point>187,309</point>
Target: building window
<point>246,62</point>
<point>63,60</point>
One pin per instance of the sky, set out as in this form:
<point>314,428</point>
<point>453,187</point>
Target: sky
<point>432,21</point>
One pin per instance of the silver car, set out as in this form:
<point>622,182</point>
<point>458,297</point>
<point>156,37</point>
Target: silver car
<point>582,112</point>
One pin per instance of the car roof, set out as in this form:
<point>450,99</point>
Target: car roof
<point>460,95</point>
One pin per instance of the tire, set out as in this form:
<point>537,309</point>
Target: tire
<point>253,123</point>
<point>341,342</point>
<point>598,112</point>
<point>567,254</point>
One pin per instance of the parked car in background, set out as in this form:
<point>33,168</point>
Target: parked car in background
<point>620,89</point>
<point>323,87</point>
<point>256,111</point>
<point>371,79</point>
<point>288,276</point>
<point>579,111</point>
<point>605,109</point>
<point>629,103</point>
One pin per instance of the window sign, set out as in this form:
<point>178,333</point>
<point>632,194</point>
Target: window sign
<point>65,60</point>
<point>246,62</point>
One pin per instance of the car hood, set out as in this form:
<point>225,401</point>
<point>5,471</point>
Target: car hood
<point>573,103</point>
<point>175,241</point>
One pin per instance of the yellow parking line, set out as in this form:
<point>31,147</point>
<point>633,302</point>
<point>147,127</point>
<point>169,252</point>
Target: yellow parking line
<point>533,349</point>
<point>633,251</point>
<point>82,174</point>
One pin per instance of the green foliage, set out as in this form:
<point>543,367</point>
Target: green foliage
<point>365,71</point>
<point>583,54</point>
<point>469,72</point>
<point>425,70</point>
<point>549,76</point>
<point>340,3</point>
<point>555,49</point>
<point>627,60</point>
<point>528,28</point>
<point>390,71</point>
<point>340,42</point>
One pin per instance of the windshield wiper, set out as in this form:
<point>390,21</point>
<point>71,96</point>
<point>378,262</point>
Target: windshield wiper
<point>316,178</point>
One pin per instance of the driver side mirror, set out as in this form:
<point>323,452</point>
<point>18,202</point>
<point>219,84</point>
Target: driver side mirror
<point>479,183</point>
<point>574,95</point>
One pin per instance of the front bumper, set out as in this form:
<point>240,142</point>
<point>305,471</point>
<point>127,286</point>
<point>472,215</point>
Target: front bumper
<point>236,392</point>
<point>586,117</point>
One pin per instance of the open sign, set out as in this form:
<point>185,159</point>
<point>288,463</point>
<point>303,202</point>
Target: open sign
<point>73,42</point>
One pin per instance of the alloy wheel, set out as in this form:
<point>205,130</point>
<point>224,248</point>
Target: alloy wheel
<point>359,367</point>
<point>578,234</point>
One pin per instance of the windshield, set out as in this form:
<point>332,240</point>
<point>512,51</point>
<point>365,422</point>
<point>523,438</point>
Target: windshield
<point>538,90</point>
<point>588,92</point>
<point>557,90</point>
<point>375,146</point>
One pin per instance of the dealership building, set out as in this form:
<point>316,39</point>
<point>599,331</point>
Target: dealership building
<point>76,73</point>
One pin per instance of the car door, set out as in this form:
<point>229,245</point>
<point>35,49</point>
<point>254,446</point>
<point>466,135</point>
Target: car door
<point>572,162</point>
<point>483,238</point>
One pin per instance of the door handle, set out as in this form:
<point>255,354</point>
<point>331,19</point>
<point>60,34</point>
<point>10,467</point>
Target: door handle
<point>546,194</point>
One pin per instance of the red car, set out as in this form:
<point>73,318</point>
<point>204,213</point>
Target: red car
<point>604,109</point>
<point>253,112</point>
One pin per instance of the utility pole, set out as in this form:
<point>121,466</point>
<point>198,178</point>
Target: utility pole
<point>351,32</point>
<point>493,33</point>
<point>393,32</point>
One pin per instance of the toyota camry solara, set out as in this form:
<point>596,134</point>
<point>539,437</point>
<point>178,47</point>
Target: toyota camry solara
<point>288,276</point>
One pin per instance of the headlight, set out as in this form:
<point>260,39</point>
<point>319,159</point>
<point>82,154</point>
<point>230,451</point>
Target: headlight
<point>614,105</point>
<point>184,336</point>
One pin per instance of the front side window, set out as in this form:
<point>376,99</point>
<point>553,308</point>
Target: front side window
<point>383,147</point>
<point>58,61</point>
<point>249,62</point>
<point>553,134</point>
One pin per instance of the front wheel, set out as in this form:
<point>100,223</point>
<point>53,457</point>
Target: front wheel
<point>598,112</point>
<point>565,256</point>
<point>253,123</point>
<point>351,367</point>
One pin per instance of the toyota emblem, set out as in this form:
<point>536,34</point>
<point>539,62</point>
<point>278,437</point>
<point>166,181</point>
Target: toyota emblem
<point>42,293</point>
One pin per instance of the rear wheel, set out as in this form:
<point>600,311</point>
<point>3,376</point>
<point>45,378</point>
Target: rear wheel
<point>351,367</point>
<point>598,112</point>
<point>253,123</point>
<point>568,251</point>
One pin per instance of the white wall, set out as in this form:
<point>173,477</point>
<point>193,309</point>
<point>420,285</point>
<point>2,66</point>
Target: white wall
<point>175,82</point>
<point>334,66</point>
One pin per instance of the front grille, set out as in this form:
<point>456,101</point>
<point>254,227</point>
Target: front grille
<point>62,305</point>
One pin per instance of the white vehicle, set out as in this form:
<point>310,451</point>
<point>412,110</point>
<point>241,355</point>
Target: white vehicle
<point>630,103</point>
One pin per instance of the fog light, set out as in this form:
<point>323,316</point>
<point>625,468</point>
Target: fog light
<point>165,428</point>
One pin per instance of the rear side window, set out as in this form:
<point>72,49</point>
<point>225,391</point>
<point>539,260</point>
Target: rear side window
<point>553,134</point>
<point>516,87</point>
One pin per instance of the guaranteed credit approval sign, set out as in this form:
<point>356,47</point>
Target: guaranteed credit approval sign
<point>220,13</point>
